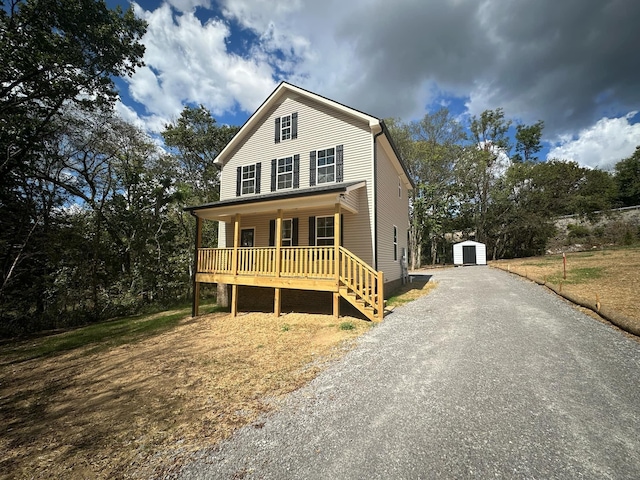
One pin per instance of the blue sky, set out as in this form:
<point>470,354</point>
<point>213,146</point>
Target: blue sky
<point>573,64</point>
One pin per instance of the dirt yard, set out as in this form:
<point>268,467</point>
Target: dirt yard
<point>136,410</point>
<point>611,276</point>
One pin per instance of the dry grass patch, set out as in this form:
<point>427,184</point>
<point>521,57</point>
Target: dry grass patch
<point>612,275</point>
<point>134,405</point>
<point>412,291</point>
<point>137,407</point>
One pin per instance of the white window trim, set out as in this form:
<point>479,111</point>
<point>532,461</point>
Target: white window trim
<point>283,128</point>
<point>243,180</point>
<point>286,173</point>
<point>399,189</point>
<point>290,239</point>
<point>333,238</point>
<point>335,154</point>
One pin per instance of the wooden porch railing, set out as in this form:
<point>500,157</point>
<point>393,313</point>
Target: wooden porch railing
<point>311,262</point>
<point>358,282</point>
<point>362,280</point>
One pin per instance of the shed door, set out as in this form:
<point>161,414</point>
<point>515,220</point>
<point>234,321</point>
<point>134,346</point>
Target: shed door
<point>469,254</point>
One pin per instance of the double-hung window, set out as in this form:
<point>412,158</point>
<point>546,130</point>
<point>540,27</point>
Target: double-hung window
<point>324,231</point>
<point>248,179</point>
<point>287,232</point>
<point>285,127</point>
<point>326,165</point>
<point>285,173</point>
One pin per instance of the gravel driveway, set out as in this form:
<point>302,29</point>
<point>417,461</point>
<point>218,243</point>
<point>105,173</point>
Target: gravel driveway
<point>488,376</point>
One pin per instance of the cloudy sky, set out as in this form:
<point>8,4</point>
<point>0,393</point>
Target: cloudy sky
<point>573,63</point>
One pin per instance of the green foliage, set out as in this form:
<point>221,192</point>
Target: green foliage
<point>628,179</point>
<point>578,275</point>
<point>285,327</point>
<point>528,139</point>
<point>347,326</point>
<point>430,148</point>
<point>577,232</point>
<point>56,54</point>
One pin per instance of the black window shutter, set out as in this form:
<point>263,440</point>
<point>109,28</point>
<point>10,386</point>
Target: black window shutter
<point>312,168</point>
<point>312,231</point>
<point>294,232</point>
<point>296,171</point>
<point>278,130</point>
<point>272,233</point>
<point>258,168</point>
<point>294,125</point>
<point>339,163</point>
<point>274,166</point>
<point>239,182</point>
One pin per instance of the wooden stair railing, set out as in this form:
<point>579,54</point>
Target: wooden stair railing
<point>361,285</point>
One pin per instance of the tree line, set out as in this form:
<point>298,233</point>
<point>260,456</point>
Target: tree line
<point>472,179</point>
<point>92,224</point>
<point>91,207</point>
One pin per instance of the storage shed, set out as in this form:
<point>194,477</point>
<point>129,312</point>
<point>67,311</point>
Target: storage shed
<point>469,253</point>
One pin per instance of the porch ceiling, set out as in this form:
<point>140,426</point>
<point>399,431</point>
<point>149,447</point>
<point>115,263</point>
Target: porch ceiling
<point>328,196</point>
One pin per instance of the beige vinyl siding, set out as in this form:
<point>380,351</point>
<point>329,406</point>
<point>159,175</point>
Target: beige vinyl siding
<point>319,127</point>
<point>356,229</point>
<point>392,210</point>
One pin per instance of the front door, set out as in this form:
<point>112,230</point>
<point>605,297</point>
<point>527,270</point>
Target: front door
<point>246,237</point>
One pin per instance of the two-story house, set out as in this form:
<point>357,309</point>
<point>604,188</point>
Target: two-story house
<point>313,196</point>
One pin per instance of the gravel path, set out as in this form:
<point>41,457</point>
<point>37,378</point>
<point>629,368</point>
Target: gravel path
<point>488,376</point>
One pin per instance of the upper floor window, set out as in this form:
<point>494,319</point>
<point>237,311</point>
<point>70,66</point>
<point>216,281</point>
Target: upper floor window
<point>326,165</point>
<point>399,189</point>
<point>248,179</point>
<point>287,127</point>
<point>285,173</point>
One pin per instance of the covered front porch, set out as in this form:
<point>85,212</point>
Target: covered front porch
<point>326,266</point>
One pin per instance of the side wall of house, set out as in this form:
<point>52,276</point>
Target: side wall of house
<point>318,127</point>
<point>392,211</point>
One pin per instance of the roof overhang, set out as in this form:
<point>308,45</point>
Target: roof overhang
<point>325,196</point>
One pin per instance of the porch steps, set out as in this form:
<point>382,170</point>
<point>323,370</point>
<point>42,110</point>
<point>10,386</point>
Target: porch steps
<point>350,296</point>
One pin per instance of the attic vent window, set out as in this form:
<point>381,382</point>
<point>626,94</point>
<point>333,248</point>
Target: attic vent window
<point>285,125</point>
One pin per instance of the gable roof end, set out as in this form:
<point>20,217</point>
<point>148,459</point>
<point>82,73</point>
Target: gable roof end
<point>280,91</point>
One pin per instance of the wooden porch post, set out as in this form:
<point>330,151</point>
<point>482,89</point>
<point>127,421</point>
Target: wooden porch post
<point>336,260</point>
<point>380,295</point>
<point>195,306</point>
<point>234,287</point>
<point>277,301</point>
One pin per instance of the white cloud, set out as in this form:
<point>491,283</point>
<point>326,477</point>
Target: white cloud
<point>601,145</point>
<point>187,61</point>
<point>566,63</point>
<point>189,5</point>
